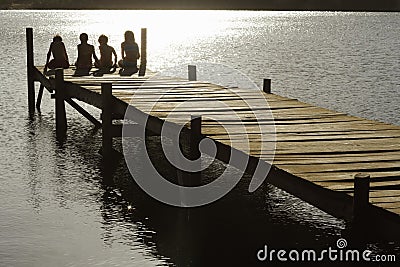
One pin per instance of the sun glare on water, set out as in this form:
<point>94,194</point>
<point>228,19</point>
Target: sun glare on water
<point>164,27</point>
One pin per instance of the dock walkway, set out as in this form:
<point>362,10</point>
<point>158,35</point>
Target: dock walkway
<point>318,151</point>
<point>314,144</point>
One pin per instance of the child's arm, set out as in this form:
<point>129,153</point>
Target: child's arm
<point>122,50</point>
<point>115,56</point>
<point>48,58</point>
<point>96,59</point>
<point>65,53</point>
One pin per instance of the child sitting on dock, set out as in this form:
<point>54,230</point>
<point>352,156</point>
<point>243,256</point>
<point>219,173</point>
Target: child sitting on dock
<point>106,52</point>
<point>60,57</point>
<point>130,55</point>
<point>85,54</point>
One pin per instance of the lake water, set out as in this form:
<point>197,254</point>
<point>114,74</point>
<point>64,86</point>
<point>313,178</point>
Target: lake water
<point>57,208</point>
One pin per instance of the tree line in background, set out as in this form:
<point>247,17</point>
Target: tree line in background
<point>340,5</point>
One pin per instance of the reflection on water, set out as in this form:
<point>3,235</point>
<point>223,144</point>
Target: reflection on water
<point>87,217</point>
<point>68,194</point>
<point>58,208</point>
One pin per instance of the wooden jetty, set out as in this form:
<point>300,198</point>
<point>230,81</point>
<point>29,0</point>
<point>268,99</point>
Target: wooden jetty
<point>346,166</point>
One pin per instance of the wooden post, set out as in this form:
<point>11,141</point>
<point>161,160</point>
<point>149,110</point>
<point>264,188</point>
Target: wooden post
<point>267,86</point>
<point>195,133</point>
<point>30,66</point>
<point>39,98</point>
<point>143,52</point>
<point>192,73</point>
<point>361,196</point>
<point>194,154</point>
<point>106,96</point>
<point>61,118</point>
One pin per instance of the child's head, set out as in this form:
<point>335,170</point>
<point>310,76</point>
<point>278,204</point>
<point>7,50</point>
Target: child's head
<point>129,36</point>
<point>57,38</point>
<point>103,39</point>
<point>83,37</point>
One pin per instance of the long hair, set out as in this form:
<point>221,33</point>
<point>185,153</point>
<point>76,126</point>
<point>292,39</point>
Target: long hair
<point>129,36</point>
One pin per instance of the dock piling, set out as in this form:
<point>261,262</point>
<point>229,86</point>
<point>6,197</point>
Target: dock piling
<point>106,96</point>
<point>39,98</point>
<point>361,196</point>
<point>61,118</point>
<point>194,154</point>
<point>30,66</point>
<point>192,178</point>
<point>143,52</point>
<point>267,86</point>
<point>192,73</point>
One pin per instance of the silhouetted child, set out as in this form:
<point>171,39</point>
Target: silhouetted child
<point>85,54</point>
<point>60,57</point>
<point>106,52</point>
<point>130,53</point>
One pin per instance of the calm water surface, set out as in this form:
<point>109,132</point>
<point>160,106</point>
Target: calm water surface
<point>56,208</point>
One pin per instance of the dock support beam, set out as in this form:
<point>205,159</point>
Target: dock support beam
<point>143,52</point>
<point>106,96</point>
<point>192,73</point>
<point>30,66</point>
<point>361,197</point>
<point>83,112</point>
<point>267,86</point>
<point>61,118</point>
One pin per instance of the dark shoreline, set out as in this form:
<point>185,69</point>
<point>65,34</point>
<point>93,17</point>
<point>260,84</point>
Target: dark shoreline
<point>205,9</point>
<point>259,5</point>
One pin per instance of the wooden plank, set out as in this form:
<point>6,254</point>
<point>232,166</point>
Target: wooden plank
<point>279,160</point>
<point>381,194</point>
<point>347,176</point>
<point>393,206</point>
<point>386,199</point>
<point>349,186</point>
<point>353,166</point>
<point>394,210</point>
<point>326,136</point>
